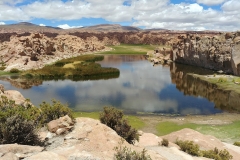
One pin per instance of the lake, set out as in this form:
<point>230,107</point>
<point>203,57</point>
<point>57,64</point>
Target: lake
<point>141,87</point>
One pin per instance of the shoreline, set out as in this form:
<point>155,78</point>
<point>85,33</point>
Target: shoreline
<point>223,126</point>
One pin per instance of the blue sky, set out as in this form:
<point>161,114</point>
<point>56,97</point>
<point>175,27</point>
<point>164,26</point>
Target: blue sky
<point>222,15</point>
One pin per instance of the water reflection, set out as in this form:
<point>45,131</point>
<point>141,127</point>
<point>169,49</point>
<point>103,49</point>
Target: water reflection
<point>139,88</point>
<point>224,99</point>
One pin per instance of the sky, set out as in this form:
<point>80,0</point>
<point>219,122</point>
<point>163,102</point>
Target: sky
<point>221,15</point>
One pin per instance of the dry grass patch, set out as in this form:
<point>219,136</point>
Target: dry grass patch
<point>70,65</point>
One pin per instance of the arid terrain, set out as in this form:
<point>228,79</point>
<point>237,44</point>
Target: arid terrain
<point>27,46</point>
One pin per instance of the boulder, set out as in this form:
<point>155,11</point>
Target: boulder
<point>21,151</point>
<point>61,125</point>
<point>9,156</point>
<point>46,155</point>
<point>15,96</point>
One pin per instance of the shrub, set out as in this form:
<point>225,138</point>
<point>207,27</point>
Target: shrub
<point>236,144</point>
<point>124,153</point>
<point>189,147</point>
<point>14,70</point>
<point>164,142</point>
<point>17,129</point>
<point>113,118</point>
<point>8,108</point>
<point>213,154</point>
<point>216,154</point>
<point>54,111</point>
<point>193,149</point>
<point>224,155</point>
<point>222,80</point>
<point>2,68</point>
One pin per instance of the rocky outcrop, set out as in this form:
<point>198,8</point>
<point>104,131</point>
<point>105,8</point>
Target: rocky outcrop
<point>206,142</point>
<point>189,84</point>
<point>61,125</point>
<point>219,52</point>
<point>37,50</point>
<point>92,140</point>
<point>160,55</point>
<point>14,96</point>
<point>15,151</point>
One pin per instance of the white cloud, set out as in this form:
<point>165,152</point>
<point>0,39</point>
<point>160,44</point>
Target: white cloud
<point>66,26</point>
<point>231,6</point>
<point>211,2</point>
<point>2,23</point>
<point>8,12</point>
<point>42,24</point>
<point>148,13</point>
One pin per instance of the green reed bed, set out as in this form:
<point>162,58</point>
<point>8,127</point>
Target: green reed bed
<point>77,68</point>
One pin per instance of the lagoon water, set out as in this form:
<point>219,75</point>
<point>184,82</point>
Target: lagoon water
<point>141,87</point>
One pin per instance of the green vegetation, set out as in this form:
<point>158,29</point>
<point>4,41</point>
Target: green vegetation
<point>222,79</point>
<point>14,70</point>
<point>93,115</point>
<point>113,118</point>
<point>224,82</point>
<point>193,149</point>
<point>77,68</point>
<point>223,132</point>
<point>126,49</point>
<point>164,142</point>
<point>19,123</point>
<point>216,154</point>
<point>236,144</point>
<point>17,129</point>
<point>2,68</point>
<point>54,111</point>
<point>236,80</point>
<point>124,153</point>
<point>134,121</point>
<point>164,128</point>
<point>189,147</point>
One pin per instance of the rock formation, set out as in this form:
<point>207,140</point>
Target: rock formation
<point>92,140</point>
<point>37,50</point>
<point>226,100</point>
<point>61,125</point>
<point>160,55</point>
<point>13,95</point>
<point>219,52</point>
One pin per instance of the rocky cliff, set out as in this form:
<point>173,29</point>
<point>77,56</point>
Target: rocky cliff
<point>219,52</point>
<point>186,82</point>
<point>36,50</point>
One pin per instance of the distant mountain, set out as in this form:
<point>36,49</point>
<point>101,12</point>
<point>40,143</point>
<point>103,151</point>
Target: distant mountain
<point>110,28</point>
<point>156,29</point>
<point>28,27</point>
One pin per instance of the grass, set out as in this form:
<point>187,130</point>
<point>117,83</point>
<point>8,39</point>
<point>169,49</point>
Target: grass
<point>222,81</point>
<point>226,132</point>
<point>134,121</point>
<point>164,128</point>
<point>126,49</point>
<point>93,115</point>
<point>76,68</point>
